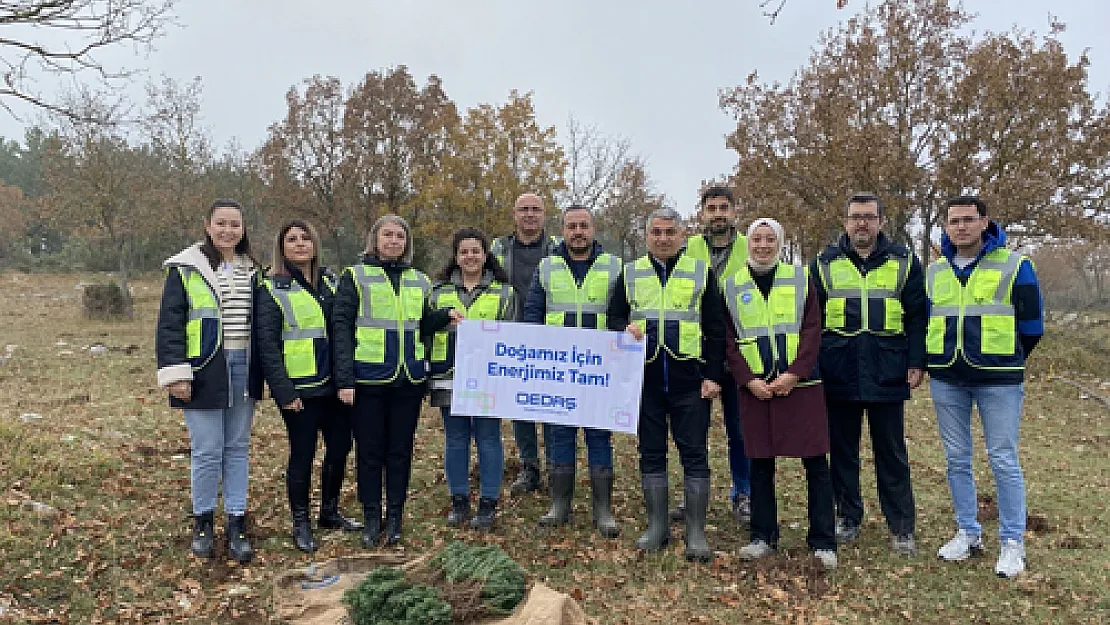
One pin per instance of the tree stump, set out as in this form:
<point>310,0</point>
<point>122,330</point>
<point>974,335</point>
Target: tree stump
<point>104,301</point>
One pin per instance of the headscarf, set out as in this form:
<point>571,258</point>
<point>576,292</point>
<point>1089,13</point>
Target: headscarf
<point>773,225</point>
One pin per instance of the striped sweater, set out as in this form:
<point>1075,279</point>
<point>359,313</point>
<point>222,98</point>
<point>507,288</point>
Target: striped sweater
<point>234,282</point>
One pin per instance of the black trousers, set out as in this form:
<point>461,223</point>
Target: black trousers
<point>886,422</point>
<point>686,416</point>
<point>321,415</point>
<point>765,513</point>
<point>385,425</point>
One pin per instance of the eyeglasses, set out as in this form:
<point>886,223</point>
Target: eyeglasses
<point>963,221</point>
<point>663,232</point>
<point>861,219</point>
<point>529,209</point>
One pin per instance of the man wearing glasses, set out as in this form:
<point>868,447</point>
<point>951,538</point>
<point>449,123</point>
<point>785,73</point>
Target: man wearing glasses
<point>985,317</point>
<point>672,300</point>
<point>872,297</point>
<point>520,253</point>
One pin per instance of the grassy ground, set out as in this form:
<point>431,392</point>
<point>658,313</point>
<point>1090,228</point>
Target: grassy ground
<point>112,459</point>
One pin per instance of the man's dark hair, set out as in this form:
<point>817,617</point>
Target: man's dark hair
<point>578,207</point>
<point>718,191</point>
<point>968,200</point>
<point>867,198</point>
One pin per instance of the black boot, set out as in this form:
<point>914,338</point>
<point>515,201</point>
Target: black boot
<point>298,508</point>
<point>487,512</point>
<point>393,516</point>
<point>601,485</point>
<point>372,530</point>
<point>561,477</point>
<point>460,510</point>
<point>238,545</point>
<point>528,480</point>
<point>658,532</point>
<point>331,481</point>
<point>204,538</point>
<point>697,504</point>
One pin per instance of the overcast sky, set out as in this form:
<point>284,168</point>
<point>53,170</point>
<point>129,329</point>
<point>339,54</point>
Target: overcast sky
<point>647,70</point>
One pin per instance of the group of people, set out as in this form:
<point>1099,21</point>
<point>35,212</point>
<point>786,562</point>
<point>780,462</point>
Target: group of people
<point>797,354</point>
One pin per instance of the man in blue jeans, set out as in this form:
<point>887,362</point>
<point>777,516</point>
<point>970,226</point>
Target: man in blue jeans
<point>985,317</point>
<point>571,288</point>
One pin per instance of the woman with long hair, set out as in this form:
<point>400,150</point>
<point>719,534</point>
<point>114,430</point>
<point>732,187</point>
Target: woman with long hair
<point>475,283</point>
<point>203,349</point>
<point>292,337</point>
<point>382,317</point>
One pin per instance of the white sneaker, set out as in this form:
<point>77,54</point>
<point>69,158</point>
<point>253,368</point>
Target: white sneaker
<point>1011,559</point>
<point>962,546</point>
<point>827,558</point>
<point>755,550</point>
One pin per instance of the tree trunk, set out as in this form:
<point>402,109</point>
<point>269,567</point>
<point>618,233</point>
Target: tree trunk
<point>124,275</point>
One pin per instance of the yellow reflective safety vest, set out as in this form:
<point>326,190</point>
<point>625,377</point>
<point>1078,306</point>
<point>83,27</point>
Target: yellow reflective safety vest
<point>768,329</point>
<point>856,303</point>
<point>203,327</point>
<point>698,247</point>
<point>974,321</point>
<point>670,315</point>
<point>578,306</point>
<point>491,304</point>
<point>304,336</point>
<point>387,341</point>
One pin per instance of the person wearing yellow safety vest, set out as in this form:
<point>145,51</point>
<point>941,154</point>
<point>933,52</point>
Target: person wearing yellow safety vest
<point>985,318</point>
<point>519,254</point>
<point>203,346</point>
<point>473,282</point>
<point>670,302</point>
<point>872,294</point>
<point>382,318</point>
<point>726,249</point>
<point>292,338</point>
<point>774,338</point>
<point>572,288</point>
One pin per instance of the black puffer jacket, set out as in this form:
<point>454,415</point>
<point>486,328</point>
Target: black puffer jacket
<point>865,367</point>
<point>267,336</point>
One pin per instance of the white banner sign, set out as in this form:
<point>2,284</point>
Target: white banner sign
<point>568,376</point>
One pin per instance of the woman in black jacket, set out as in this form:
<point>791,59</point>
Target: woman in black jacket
<point>382,318</point>
<point>203,347</point>
<point>294,314</point>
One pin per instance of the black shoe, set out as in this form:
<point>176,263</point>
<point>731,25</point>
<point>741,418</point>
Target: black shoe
<point>528,480</point>
<point>460,510</point>
<point>372,529</point>
<point>393,525</point>
<point>331,480</point>
<point>487,512</point>
<point>302,531</point>
<point>238,545</point>
<point>204,538</point>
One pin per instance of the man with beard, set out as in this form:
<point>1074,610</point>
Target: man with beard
<point>519,254</point>
<point>726,250</point>
<point>571,288</point>
<point>872,294</point>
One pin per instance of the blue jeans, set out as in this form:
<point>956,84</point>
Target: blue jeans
<point>220,441</point>
<point>456,456</point>
<point>564,445</point>
<point>527,440</point>
<point>1000,413</point>
<point>738,462</point>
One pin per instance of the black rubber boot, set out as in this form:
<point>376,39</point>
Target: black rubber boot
<point>298,509</point>
<point>372,528</point>
<point>331,482</point>
<point>238,545</point>
<point>528,480</point>
<point>697,504</point>
<point>601,486</point>
<point>487,512</point>
<point>561,477</point>
<point>393,516</point>
<point>204,535</point>
<point>658,532</point>
<point>460,510</point>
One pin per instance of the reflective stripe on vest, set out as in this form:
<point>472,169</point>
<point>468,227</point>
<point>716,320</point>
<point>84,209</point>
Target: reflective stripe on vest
<point>698,247</point>
<point>303,335</point>
<point>491,305</point>
<point>975,321</point>
<point>768,329</point>
<point>574,306</point>
<point>669,315</point>
<point>388,325</point>
<point>203,326</point>
<point>871,303</point>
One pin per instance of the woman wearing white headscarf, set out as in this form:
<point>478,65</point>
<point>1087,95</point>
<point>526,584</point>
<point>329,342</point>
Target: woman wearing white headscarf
<point>772,346</point>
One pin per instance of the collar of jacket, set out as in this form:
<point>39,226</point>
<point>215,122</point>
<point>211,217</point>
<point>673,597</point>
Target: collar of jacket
<point>193,257</point>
